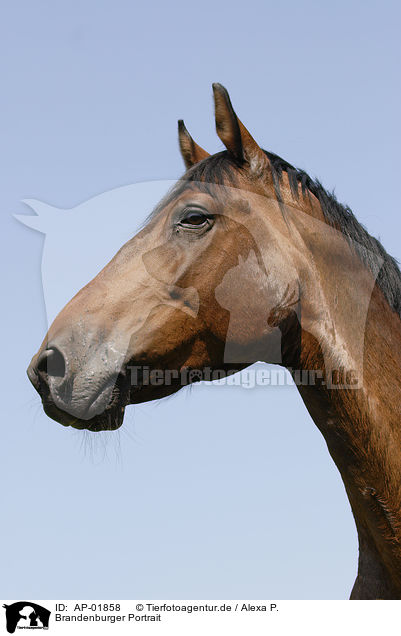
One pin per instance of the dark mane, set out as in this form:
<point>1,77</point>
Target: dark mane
<point>220,169</point>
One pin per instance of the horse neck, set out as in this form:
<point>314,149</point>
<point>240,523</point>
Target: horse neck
<point>350,324</point>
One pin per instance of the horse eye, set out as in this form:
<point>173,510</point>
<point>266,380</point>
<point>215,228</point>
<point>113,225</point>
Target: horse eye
<point>194,218</point>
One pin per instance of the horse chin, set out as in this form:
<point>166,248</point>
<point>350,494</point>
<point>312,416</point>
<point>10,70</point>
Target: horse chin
<point>110,420</point>
<point>112,417</point>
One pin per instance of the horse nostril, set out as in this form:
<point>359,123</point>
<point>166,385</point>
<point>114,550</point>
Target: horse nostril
<point>51,362</point>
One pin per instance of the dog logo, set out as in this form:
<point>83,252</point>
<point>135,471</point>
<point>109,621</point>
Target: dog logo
<point>26,615</point>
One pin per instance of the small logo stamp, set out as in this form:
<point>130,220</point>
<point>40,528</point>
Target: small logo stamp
<point>26,615</point>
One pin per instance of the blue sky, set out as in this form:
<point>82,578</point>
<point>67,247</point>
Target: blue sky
<point>218,492</point>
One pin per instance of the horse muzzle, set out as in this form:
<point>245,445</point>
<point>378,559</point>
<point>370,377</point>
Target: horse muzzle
<point>86,394</point>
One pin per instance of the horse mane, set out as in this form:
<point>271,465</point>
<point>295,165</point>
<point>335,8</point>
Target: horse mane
<point>220,168</point>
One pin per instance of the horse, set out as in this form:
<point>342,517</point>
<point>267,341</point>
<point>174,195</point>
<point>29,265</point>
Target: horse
<point>248,259</point>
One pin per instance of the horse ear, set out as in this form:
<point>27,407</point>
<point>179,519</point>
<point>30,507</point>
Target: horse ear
<point>236,138</point>
<point>191,152</point>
